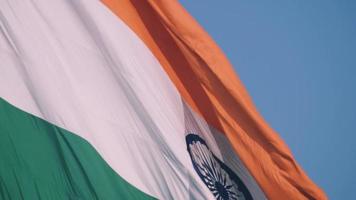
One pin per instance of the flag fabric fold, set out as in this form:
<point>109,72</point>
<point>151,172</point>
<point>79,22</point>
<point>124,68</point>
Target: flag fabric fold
<point>187,52</point>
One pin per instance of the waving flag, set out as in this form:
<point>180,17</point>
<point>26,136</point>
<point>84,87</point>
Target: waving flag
<point>129,99</point>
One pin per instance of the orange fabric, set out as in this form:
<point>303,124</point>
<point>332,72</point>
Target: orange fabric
<point>207,82</point>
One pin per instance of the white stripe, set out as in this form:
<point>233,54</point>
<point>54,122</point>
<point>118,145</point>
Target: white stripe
<point>73,63</point>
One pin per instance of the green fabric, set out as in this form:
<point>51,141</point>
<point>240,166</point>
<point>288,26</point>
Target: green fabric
<point>39,160</point>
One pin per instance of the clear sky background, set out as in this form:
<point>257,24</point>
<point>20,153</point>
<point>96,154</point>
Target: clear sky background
<point>298,62</point>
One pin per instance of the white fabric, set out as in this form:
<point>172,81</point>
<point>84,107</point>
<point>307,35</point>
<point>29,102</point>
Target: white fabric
<point>75,64</point>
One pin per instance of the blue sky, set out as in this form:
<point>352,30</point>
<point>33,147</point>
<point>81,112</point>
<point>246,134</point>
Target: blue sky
<point>298,62</point>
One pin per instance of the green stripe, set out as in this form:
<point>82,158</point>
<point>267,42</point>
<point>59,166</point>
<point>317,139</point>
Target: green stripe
<point>39,160</point>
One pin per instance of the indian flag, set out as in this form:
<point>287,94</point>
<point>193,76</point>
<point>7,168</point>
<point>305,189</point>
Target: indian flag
<point>129,99</point>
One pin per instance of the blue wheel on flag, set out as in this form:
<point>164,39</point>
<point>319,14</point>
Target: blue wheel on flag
<point>219,178</point>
